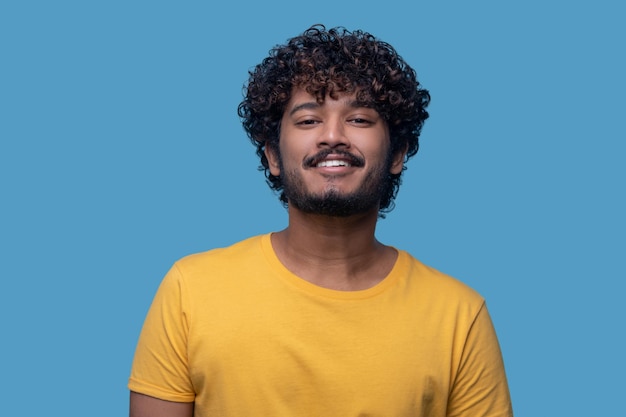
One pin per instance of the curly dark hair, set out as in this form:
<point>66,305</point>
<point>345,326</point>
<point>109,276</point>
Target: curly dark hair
<point>327,63</point>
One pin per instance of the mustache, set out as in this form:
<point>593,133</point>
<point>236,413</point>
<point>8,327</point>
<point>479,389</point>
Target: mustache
<point>321,155</point>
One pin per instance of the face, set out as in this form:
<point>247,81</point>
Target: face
<point>333,157</point>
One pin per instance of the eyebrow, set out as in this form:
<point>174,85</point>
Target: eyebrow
<point>304,106</point>
<point>309,105</point>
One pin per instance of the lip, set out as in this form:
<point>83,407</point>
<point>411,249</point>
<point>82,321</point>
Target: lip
<point>334,163</point>
<point>334,170</point>
<point>351,161</point>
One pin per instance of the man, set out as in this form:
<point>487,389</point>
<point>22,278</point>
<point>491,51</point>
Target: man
<point>321,319</point>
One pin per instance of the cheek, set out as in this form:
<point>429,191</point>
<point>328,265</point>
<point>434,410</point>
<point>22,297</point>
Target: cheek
<point>290,157</point>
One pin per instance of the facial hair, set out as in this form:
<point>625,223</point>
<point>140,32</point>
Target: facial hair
<point>332,202</point>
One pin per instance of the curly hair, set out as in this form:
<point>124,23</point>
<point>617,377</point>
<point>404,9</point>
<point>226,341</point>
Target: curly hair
<point>327,63</point>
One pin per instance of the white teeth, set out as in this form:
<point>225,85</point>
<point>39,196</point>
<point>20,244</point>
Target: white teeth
<point>333,163</point>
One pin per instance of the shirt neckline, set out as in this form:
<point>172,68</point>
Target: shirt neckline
<point>303,285</point>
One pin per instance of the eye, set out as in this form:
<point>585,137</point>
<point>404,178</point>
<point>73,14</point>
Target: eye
<point>307,122</point>
<point>361,121</point>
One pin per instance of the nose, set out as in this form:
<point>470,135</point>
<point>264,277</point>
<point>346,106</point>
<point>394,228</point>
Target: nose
<point>333,135</point>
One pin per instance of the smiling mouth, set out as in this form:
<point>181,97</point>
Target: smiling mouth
<point>333,158</point>
<point>333,163</point>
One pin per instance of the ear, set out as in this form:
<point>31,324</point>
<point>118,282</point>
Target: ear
<point>397,163</point>
<point>272,159</point>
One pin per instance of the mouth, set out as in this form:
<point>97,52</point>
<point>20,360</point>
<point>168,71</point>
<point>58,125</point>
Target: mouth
<point>333,158</point>
<point>333,163</point>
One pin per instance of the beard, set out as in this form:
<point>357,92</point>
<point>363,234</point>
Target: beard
<point>334,203</point>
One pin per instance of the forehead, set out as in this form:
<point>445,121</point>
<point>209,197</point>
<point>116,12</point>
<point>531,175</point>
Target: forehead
<point>302,100</point>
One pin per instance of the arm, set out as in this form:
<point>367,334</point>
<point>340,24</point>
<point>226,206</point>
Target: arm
<point>480,387</point>
<point>144,406</point>
<point>160,385</point>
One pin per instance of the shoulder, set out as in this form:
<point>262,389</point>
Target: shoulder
<point>240,251</point>
<point>438,288</point>
<point>215,265</point>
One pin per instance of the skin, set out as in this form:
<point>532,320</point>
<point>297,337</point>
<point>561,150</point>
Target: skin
<point>339,253</point>
<point>144,406</point>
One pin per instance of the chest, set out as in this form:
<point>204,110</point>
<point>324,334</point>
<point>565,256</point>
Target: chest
<point>330,358</point>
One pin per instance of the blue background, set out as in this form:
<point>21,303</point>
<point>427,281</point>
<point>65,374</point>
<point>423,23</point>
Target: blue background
<point>121,152</point>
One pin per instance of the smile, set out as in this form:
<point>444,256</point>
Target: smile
<point>333,163</point>
<point>333,158</point>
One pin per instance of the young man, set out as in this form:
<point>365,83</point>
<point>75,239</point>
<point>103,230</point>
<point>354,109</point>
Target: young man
<point>321,319</point>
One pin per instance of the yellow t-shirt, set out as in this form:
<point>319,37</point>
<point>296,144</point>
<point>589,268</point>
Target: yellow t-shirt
<point>238,334</point>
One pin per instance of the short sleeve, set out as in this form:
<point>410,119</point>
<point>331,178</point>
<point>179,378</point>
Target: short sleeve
<point>480,388</point>
<point>160,366</point>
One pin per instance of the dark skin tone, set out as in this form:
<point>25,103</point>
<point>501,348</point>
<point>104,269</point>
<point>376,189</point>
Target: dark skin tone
<point>339,253</point>
<point>335,253</point>
<point>145,406</point>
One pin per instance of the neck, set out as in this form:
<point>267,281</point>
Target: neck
<point>334,252</point>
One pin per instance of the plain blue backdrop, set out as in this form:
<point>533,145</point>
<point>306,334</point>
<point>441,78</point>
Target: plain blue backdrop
<point>121,152</point>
